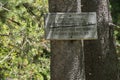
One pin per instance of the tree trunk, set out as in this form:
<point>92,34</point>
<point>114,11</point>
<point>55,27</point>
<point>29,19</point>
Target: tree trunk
<point>67,60</point>
<point>100,55</point>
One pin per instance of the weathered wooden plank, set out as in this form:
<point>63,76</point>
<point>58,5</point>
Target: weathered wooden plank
<point>71,26</point>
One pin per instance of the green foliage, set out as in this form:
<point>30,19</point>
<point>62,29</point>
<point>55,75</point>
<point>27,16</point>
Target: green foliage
<point>24,54</point>
<point>115,8</point>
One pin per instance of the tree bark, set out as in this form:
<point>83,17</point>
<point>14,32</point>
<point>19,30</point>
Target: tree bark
<point>67,60</point>
<point>100,55</point>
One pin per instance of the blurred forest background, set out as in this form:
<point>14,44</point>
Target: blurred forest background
<point>24,53</point>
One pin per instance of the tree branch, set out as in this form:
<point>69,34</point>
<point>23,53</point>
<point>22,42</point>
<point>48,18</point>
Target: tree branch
<point>14,21</point>
<point>4,34</point>
<point>115,26</point>
<point>6,57</point>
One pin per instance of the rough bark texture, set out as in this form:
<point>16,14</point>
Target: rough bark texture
<point>67,60</point>
<point>100,55</point>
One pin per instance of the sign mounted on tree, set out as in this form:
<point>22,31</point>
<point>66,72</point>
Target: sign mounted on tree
<point>71,26</point>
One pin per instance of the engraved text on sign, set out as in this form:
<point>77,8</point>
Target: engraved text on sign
<point>71,26</point>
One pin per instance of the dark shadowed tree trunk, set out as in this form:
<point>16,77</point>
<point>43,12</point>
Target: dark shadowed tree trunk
<point>100,55</point>
<point>67,60</point>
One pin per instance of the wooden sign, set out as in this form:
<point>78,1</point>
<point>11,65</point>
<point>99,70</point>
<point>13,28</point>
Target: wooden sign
<point>70,26</point>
